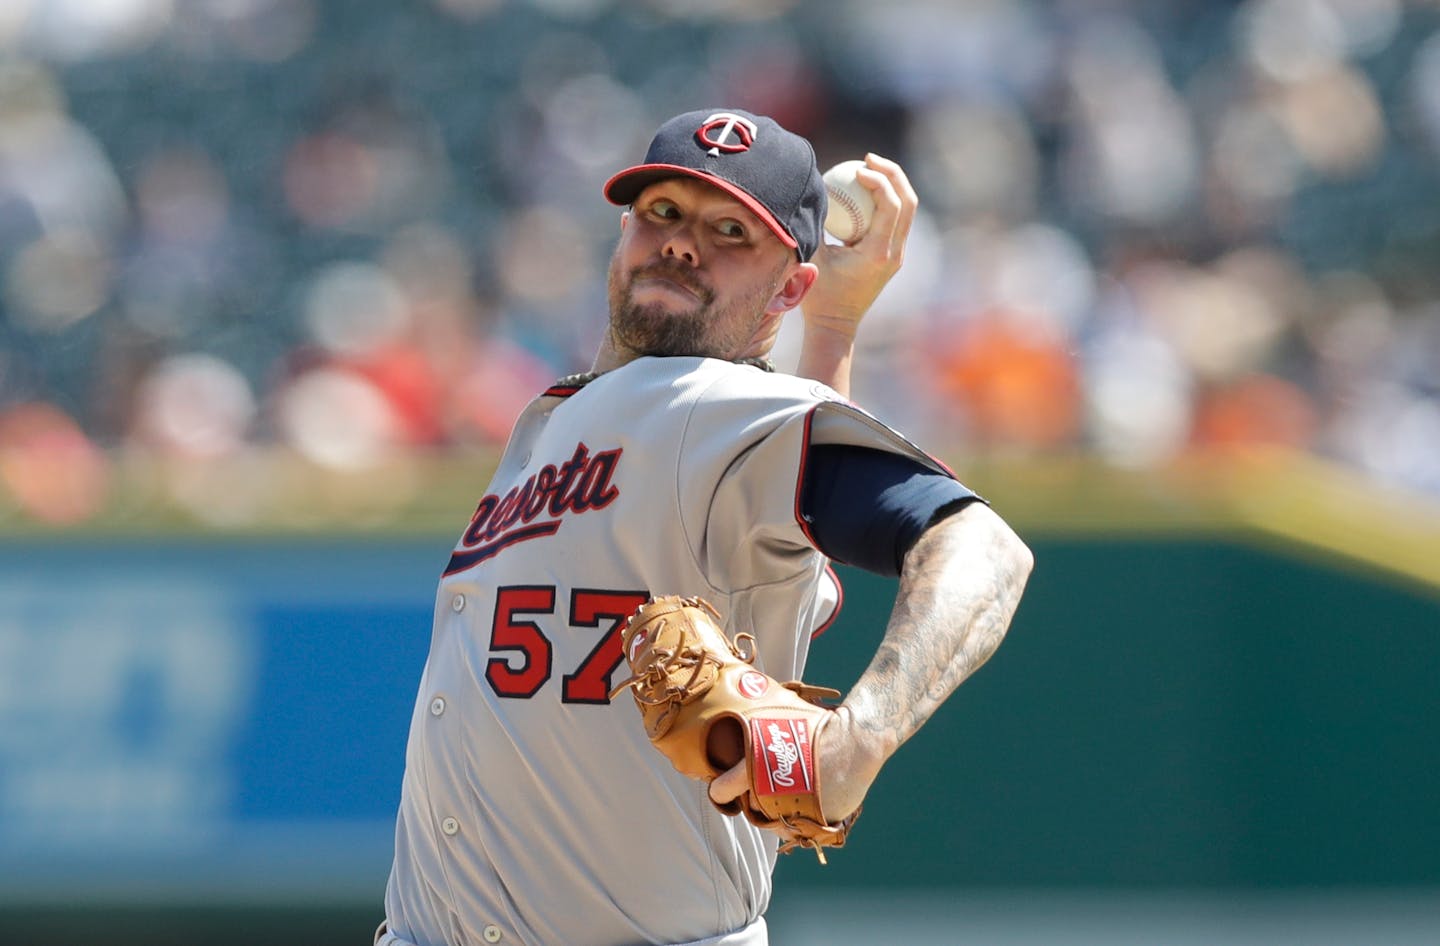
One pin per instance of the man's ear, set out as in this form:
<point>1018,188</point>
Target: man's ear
<point>624,219</point>
<point>794,288</point>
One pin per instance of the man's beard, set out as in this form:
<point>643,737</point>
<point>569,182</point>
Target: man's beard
<point>654,329</point>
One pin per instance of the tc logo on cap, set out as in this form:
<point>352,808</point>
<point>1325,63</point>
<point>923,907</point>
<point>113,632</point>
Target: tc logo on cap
<point>715,133</point>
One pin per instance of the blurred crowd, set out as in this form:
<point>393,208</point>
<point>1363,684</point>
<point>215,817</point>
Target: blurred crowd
<point>353,231</point>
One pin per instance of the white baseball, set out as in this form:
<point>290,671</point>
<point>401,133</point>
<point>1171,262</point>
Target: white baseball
<point>851,206</point>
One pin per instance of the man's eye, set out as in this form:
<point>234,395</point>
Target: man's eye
<point>664,209</point>
<point>732,228</point>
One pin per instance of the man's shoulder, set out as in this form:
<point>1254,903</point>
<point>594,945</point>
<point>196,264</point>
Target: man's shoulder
<point>744,382</point>
<point>759,402</point>
<point>695,381</point>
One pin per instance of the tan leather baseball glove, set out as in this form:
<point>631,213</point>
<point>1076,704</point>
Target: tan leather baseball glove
<point>706,707</point>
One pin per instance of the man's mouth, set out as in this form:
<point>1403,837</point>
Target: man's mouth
<point>667,278</point>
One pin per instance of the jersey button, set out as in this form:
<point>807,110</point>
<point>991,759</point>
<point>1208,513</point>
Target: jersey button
<point>491,934</point>
<point>437,706</point>
<point>450,826</point>
<point>457,603</point>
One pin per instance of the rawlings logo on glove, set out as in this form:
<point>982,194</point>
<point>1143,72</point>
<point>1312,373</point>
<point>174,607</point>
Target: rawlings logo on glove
<point>707,708</point>
<point>780,747</point>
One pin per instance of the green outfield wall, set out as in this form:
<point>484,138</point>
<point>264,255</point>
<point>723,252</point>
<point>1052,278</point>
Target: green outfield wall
<point>1166,713</point>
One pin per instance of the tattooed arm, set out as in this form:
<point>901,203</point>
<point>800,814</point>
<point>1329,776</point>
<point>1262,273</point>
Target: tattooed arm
<point>959,588</point>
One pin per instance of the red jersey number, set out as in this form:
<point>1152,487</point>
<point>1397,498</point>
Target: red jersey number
<point>522,676</point>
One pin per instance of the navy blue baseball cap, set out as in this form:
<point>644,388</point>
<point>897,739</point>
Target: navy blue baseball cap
<point>768,169</point>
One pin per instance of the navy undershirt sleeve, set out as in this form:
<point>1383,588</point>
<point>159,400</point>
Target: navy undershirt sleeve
<point>866,507</point>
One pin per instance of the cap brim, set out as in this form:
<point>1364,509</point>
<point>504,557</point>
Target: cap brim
<point>623,188</point>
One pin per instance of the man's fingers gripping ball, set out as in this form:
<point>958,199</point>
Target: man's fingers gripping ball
<point>708,710</point>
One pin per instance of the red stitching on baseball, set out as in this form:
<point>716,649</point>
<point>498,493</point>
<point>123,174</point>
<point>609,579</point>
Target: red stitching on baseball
<point>857,221</point>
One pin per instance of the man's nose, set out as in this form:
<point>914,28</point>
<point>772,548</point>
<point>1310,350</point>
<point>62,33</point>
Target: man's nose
<point>681,244</point>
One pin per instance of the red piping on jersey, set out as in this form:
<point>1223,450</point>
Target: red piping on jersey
<point>839,602</point>
<point>800,477</point>
<point>561,390</point>
<point>942,465</point>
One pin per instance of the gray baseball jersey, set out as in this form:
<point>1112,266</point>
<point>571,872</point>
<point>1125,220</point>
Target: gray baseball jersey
<point>534,810</point>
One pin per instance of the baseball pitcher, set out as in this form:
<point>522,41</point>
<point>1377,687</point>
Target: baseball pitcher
<point>611,742</point>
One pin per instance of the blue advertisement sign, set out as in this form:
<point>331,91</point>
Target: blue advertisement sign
<point>183,719</point>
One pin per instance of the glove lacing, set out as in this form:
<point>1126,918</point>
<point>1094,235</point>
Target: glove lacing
<point>653,686</point>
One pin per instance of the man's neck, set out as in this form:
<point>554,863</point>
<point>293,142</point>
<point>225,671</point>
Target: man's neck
<point>609,357</point>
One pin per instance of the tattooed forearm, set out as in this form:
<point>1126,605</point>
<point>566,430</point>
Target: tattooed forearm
<point>959,589</point>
